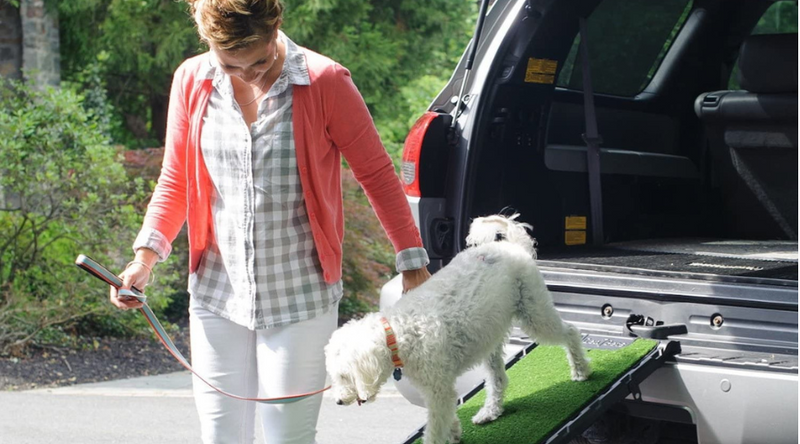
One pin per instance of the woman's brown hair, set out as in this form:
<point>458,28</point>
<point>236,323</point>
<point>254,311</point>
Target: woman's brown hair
<point>235,24</point>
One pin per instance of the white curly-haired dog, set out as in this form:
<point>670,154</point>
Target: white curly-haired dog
<point>457,319</point>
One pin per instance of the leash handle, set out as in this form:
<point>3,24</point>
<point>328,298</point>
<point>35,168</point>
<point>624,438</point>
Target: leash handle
<point>102,273</point>
<point>108,277</point>
<point>92,267</point>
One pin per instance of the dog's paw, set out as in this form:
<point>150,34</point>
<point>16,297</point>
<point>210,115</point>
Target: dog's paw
<point>455,432</point>
<point>581,371</point>
<point>487,414</point>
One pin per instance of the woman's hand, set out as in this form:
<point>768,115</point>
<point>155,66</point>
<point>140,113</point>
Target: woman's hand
<point>414,278</point>
<point>136,274</point>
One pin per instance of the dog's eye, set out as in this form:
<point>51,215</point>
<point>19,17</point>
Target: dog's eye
<point>499,236</point>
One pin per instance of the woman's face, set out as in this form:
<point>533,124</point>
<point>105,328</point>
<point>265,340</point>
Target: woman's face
<point>250,63</point>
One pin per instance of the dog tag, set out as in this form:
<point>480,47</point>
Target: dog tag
<point>398,373</point>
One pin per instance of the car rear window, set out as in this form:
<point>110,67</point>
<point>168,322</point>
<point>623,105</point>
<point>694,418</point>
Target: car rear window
<point>779,18</point>
<point>628,39</point>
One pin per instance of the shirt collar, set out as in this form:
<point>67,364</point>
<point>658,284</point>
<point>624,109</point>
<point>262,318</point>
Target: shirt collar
<point>294,70</point>
<point>295,65</point>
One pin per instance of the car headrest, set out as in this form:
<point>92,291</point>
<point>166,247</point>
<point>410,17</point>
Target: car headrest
<point>768,63</point>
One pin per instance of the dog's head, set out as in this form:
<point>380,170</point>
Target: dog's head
<point>501,228</point>
<point>358,360</point>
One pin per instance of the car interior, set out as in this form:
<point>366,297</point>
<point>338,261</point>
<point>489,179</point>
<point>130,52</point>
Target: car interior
<point>696,107</point>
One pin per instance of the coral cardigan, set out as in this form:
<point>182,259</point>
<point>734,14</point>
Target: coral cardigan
<point>329,118</point>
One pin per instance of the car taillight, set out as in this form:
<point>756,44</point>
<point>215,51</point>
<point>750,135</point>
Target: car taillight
<point>412,151</point>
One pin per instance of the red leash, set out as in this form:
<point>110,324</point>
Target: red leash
<point>106,276</point>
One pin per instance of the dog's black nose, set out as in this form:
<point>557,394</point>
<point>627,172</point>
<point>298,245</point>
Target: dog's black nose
<point>339,402</point>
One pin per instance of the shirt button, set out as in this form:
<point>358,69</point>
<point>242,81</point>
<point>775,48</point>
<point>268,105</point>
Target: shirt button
<point>312,215</point>
<point>304,170</point>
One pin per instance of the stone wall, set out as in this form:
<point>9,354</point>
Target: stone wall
<point>40,46</point>
<point>10,41</point>
<point>29,42</point>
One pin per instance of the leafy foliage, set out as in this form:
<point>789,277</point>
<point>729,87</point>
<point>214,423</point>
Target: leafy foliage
<point>387,46</point>
<point>399,53</point>
<point>137,45</point>
<point>62,192</point>
<point>384,43</point>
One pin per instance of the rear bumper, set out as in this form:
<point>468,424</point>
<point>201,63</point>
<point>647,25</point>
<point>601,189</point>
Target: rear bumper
<point>729,406</point>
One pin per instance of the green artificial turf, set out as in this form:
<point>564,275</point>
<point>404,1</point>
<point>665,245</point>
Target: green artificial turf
<point>541,396</point>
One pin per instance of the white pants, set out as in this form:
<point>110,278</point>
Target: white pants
<point>267,363</point>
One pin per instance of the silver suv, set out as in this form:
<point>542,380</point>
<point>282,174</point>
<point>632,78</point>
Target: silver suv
<point>653,147</point>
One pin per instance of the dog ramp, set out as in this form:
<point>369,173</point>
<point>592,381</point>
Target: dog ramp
<point>542,403</point>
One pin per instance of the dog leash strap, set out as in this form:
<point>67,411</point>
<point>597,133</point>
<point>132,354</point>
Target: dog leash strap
<point>106,276</point>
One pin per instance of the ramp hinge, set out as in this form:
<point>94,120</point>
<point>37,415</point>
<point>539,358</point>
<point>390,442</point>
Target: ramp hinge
<point>636,392</point>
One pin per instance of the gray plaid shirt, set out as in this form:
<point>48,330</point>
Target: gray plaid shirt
<point>261,269</point>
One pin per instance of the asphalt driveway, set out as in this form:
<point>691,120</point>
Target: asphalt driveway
<point>160,410</point>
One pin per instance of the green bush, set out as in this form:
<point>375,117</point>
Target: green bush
<point>63,192</point>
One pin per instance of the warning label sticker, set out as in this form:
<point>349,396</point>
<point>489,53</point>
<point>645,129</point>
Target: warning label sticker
<point>575,223</point>
<point>541,71</point>
<point>574,237</point>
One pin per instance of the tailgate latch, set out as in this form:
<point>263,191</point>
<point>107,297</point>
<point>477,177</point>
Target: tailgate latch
<point>647,327</point>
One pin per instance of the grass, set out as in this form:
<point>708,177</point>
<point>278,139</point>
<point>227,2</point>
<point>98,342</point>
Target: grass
<point>541,396</point>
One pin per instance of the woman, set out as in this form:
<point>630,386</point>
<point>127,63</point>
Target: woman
<point>255,131</point>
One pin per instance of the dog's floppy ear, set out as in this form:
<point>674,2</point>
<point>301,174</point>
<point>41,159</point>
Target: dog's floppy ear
<point>517,233</point>
<point>508,210</point>
<point>372,359</point>
<point>364,390</point>
<point>483,230</point>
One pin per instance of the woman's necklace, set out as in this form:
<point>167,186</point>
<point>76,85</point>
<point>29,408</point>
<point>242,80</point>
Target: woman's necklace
<point>261,88</point>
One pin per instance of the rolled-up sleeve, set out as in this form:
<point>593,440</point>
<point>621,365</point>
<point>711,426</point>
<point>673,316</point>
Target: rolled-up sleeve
<point>412,259</point>
<point>153,239</point>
